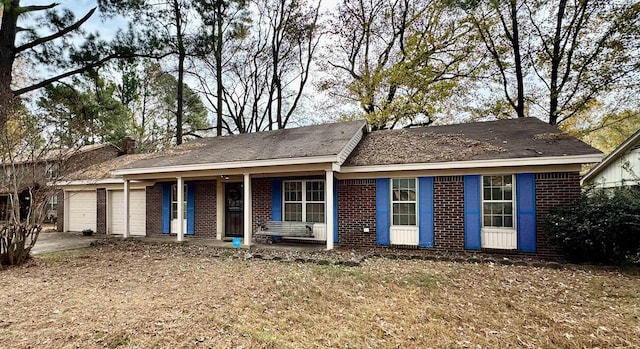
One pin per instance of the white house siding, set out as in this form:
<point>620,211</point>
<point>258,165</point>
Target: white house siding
<point>403,235</point>
<point>618,174</point>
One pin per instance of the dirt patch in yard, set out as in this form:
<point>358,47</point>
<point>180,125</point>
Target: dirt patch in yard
<point>130,294</point>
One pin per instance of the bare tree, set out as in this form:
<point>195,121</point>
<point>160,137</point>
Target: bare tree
<point>560,57</point>
<point>266,66</point>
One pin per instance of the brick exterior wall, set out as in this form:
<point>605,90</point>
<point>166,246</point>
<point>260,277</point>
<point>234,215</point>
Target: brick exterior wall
<point>357,210</point>
<point>553,190</point>
<point>60,211</point>
<point>261,202</point>
<point>205,208</point>
<point>448,213</point>
<point>154,210</point>
<point>101,211</point>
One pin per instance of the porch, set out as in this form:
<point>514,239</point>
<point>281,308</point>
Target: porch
<point>217,207</point>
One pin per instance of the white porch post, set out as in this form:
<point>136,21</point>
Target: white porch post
<point>247,209</point>
<point>328,195</point>
<point>126,209</point>
<point>180,192</point>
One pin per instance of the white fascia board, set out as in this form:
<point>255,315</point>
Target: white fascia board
<point>87,182</point>
<point>227,165</point>
<point>556,160</point>
<point>351,145</point>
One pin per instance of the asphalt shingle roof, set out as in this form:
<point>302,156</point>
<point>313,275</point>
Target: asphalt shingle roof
<point>309,141</point>
<point>502,139</point>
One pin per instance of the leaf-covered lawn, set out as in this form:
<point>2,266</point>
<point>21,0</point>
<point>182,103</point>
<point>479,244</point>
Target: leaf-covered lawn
<point>128,294</point>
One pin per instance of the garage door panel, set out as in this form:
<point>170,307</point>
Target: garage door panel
<point>82,210</point>
<point>137,211</point>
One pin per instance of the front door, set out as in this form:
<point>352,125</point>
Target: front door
<point>234,208</point>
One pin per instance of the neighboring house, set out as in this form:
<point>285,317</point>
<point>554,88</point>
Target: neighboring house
<point>36,170</point>
<point>620,168</point>
<point>478,186</point>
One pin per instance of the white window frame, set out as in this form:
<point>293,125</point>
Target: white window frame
<point>304,201</point>
<point>174,200</point>
<point>415,202</point>
<point>507,232</point>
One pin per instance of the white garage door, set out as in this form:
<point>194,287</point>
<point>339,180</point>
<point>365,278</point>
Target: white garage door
<point>82,210</point>
<point>137,212</point>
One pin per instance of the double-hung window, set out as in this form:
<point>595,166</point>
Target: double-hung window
<point>174,202</point>
<point>403,201</point>
<point>304,201</point>
<point>498,202</point>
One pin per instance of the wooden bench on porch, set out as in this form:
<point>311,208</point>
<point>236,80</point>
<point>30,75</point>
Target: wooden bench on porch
<point>279,229</point>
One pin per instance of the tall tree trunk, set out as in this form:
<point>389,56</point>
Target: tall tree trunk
<point>7,58</point>
<point>218,56</point>
<point>518,60</point>
<point>181,58</point>
<point>555,65</point>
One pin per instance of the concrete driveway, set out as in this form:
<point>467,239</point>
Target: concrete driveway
<point>55,241</point>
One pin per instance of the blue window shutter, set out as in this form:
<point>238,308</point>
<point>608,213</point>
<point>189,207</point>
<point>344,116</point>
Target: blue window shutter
<point>472,219</point>
<point>425,207</point>
<point>166,208</point>
<point>526,208</point>
<point>335,210</point>
<point>191,203</point>
<point>382,211</point>
<point>276,200</point>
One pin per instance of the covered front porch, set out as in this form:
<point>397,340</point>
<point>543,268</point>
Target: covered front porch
<point>218,205</point>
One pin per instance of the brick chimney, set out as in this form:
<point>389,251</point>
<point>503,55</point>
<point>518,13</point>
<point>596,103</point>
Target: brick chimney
<point>129,145</point>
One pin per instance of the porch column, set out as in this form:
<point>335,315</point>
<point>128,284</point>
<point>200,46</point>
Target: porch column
<point>126,209</point>
<point>180,192</point>
<point>328,196</point>
<point>247,209</point>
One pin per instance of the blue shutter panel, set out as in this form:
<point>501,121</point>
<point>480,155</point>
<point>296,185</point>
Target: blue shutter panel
<point>276,200</point>
<point>382,211</point>
<point>425,207</point>
<point>166,208</point>
<point>526,208</point>
<point>191,203</point>
<point>335,210</point>
<point>472,219</point>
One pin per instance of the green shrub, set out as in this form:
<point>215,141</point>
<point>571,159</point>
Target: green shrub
<point>602,226</point>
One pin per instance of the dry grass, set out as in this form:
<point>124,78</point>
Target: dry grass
<point>131,294</point>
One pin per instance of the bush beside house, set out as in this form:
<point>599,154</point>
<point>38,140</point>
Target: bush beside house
<point>601,226</point>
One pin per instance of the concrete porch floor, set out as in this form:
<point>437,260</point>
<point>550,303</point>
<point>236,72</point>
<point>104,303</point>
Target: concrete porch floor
<point>280,246</point>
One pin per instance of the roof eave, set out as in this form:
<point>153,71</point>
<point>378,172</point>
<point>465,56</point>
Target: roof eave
<point>228,165</point>
<point>64,183</point>
<point>512,162</point>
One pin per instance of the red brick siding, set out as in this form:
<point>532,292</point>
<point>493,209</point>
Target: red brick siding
<point>154,210</point>
<point>553,190</point>
<point>60,211</point>
<point>260,202</point>
<point>357,210</point>
<point>101,211</point>
<point>205,208</point>
<point>448,213</point>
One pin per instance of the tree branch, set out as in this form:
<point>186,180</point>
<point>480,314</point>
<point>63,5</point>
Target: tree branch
<point>54,36</point>
<point>33,8</point>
